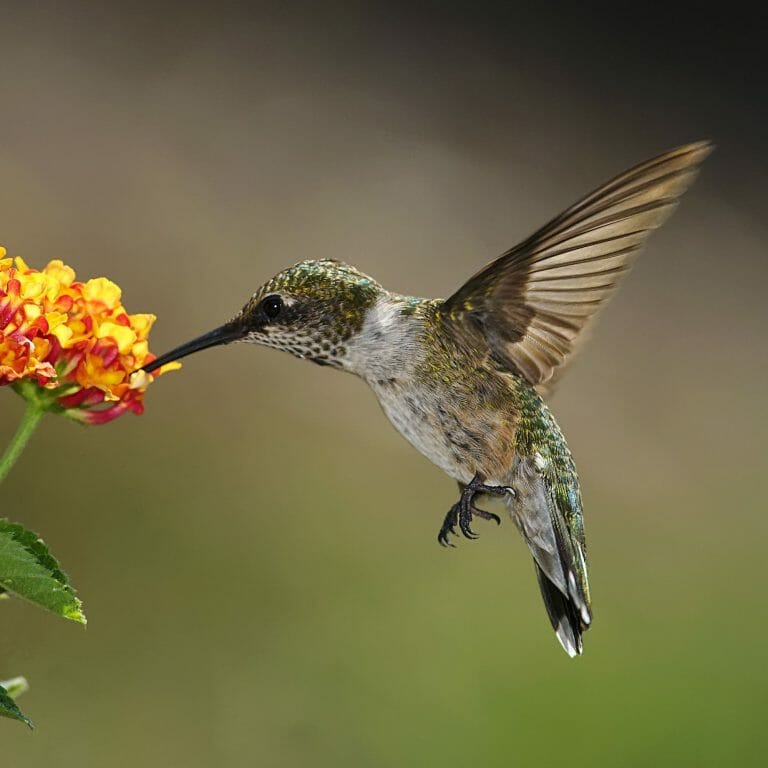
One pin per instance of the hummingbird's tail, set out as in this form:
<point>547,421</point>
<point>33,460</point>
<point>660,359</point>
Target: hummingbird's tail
<point>563,613</point>
<point>547,510</point>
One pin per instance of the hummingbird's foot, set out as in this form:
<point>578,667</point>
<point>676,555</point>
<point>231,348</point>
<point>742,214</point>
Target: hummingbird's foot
<point>462,512</point>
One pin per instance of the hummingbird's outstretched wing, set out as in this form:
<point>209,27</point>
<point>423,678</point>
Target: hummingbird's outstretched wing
<point>531,305</point>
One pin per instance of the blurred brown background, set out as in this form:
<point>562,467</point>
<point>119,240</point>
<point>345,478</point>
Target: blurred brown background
<point>257,553</point>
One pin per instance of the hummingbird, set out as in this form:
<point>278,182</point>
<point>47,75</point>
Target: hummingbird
<point>464,379</point>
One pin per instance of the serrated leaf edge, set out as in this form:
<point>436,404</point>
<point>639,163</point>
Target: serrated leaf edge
<point>34,545</point>
<point>9,709</point>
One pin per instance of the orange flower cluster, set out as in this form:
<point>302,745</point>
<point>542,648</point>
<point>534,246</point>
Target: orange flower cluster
<point>71,344</point>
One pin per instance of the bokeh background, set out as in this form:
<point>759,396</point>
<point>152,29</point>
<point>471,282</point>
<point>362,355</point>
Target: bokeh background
<point>257,552</point>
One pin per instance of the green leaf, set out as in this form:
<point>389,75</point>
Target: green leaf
<point>30,571</point>
<point>9,689</point>
<point>15,686</point>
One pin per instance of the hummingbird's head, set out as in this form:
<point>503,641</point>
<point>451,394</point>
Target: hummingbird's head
<point>311,310</point>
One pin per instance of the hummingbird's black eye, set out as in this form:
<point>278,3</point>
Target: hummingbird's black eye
<point>272,306</point>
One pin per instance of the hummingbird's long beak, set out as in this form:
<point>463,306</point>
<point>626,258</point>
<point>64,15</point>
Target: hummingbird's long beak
<point>222,335</point>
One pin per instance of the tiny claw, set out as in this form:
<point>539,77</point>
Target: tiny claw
<point>465,529</point>
<point>486,515</point>
<point>445,532</point>
<point>497,490</point>
<point>449,527</point>
<point>463,511</point>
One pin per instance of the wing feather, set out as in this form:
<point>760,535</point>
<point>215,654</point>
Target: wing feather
<point>532,304</point>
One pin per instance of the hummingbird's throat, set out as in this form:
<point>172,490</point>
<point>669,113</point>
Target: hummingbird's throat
<point>303,343</point>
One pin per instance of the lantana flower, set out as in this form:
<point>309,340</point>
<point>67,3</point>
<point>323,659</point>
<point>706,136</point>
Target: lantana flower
<point>70,346</point>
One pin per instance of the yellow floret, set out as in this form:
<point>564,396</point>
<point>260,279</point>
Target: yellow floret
<point>124,336</point>
<point>102,290</point>
<point>60,272</point>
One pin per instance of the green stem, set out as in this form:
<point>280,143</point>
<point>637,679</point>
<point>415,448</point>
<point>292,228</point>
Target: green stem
<point>31,419</point>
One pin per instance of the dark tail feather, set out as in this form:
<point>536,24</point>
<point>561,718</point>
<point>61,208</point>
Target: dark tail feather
<point>563,613</point>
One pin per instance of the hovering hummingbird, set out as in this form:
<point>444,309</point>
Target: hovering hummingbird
<point>462,378</point>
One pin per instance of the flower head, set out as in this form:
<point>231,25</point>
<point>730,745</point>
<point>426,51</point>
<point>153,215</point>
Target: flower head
<point>71,344</point>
